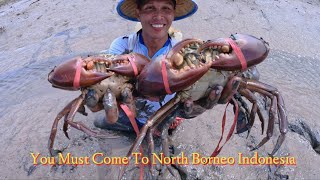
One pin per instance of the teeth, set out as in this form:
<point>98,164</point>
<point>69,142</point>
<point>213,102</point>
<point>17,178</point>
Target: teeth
<point>225,48</point>
<point>157,25</point>
<point>214,53</point>
<point>102,67</point>
<point>96,66</point>
<point>177,60</point>
<point>186,68</point>
<point>90,65</point>
<point>217,57</point>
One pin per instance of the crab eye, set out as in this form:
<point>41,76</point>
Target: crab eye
<point>232,37</point>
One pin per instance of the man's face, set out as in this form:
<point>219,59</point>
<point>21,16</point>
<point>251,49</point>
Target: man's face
<point>156,17</point>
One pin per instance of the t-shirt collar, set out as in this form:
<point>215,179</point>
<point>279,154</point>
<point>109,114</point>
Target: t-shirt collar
<point>142,42</point>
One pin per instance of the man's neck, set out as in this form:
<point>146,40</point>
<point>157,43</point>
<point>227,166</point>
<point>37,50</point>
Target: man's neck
<point>153,45</point>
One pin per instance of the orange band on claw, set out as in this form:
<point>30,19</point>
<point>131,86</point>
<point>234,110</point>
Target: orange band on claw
<point>132,60</point>
<point>239,53</point>
<point>165,77</point>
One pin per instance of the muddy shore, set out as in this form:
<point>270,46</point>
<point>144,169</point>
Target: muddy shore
<point>36,35</point>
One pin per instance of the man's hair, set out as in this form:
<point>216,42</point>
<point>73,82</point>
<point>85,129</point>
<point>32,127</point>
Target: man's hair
<point>140,3</point>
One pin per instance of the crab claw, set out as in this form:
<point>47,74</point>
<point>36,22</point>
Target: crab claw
<point>181,68</point>
<point>76,73</point>
<point>128,64</point>
<point>223,52</point>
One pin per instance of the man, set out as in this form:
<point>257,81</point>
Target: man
<point>156,17</point>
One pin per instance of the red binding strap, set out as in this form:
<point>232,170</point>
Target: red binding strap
<point>133,122</point>
<point>165,76</point>
<point>131,117</point>
<point>132,60</point>
<point>239,53</point>
<point>76,79</point>
<point>176,123</point>
<point>218,148</point>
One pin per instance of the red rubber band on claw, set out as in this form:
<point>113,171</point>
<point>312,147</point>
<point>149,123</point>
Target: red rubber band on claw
<point>239,53</point>
<point>76,79</point>
<point>132,60</point>
<point>165,77</point>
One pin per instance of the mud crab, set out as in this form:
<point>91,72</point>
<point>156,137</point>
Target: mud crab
<point>104,81</point>
<point>221,64</point>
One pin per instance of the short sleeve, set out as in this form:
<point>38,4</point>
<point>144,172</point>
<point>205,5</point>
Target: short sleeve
<point>119,45</point>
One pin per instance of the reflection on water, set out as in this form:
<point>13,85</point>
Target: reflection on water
<point>23,83</point>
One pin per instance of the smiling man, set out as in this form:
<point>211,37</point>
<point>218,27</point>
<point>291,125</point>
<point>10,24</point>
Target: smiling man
<point>151,40</point>
<point>156,17</point>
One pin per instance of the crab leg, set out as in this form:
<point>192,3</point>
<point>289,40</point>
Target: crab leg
<point>243,116</point>
<point>154,119</point>
<point>151,150</point>
<point>272,115</point>
<point>230,90</point>
<point>165,142</point>
<point>65,125</point>
<point>164,138</point>
<point>78,125</point>
<point>276,102</point>
<point>53,133</point>
<point>283,122</point>
<point>69,112</point>
<point>255,108</point>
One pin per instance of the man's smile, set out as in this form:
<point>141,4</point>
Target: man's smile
<point>157,25</point>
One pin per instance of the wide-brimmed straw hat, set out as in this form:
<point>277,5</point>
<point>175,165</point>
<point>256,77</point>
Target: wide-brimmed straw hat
<point>184,8</point>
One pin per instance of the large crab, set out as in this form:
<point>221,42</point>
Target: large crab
<point>206,74</point>
<point>104,81</point>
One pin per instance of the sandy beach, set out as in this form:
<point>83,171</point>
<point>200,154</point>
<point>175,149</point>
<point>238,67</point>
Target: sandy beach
<point>36,35</point>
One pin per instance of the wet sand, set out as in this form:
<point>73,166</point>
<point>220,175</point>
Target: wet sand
<point>36,35</point>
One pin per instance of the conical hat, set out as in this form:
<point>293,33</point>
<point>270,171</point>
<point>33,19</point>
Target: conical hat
<point>184,8</point>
